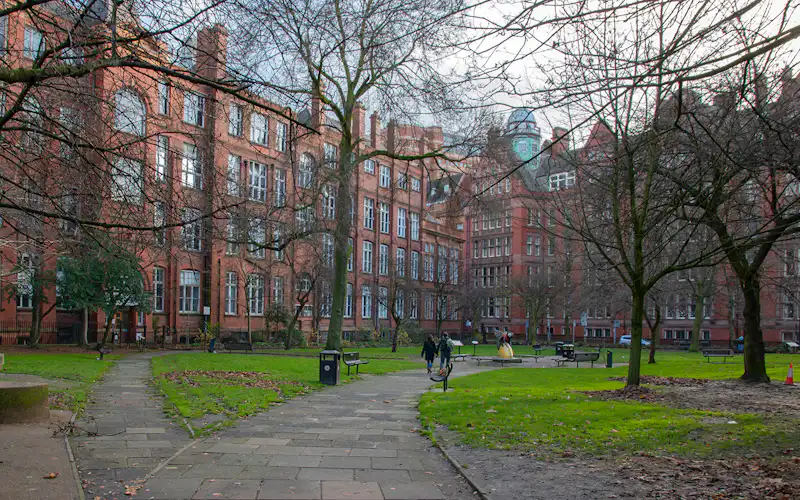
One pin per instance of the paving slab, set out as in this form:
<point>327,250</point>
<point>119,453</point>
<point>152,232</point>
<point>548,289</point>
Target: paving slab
<point>279,489</point>
<point>237,489</point>
<point>394,490</point>
<point>340,490</point>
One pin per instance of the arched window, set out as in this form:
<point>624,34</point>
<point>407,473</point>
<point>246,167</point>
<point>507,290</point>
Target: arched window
<point>306,174</point>
<point>129,112</point>
<point>304,283</point>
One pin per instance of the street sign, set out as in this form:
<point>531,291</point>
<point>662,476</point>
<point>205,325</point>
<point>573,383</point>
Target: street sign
<point>616,323</point>
<point>584,318</point>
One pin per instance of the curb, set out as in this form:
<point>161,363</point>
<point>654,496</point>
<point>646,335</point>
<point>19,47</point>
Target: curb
<point>72,464</point>
<point>472,482</point>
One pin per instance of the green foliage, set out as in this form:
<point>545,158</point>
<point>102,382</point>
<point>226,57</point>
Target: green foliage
<point>104,275</point>
<point>545,411</point>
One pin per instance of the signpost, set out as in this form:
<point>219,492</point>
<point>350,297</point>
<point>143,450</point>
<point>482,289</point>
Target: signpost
<point>573,332</point>
<point>548,330</point>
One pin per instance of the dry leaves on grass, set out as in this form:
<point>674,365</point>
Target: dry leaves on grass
<point>243,379</point>
<point>653,380</point>
<point>632,393</point>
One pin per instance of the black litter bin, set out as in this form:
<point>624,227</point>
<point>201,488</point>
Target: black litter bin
<point>329,367</point>
<point>558,348</point>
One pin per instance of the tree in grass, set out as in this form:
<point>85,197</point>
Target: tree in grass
<point>107,276</point>
<point>334,55</point>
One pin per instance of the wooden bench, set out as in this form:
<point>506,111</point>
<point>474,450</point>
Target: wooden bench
<point>443,378</point>
<point>717,353</point>
<point>238,346</point>
<point>585,356</point>
<point>526,356</point>
<point>456,357</point>
<point>103,351</point>
<point>353,359</point>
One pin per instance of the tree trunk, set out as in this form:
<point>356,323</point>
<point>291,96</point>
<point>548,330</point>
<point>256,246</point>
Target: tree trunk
<point>341,247</point>
<point>85,335</point>
<point>36,303</point>
<point>637,317</point>
<point>699,301</point>
<point>731,319</point>
<point>106,331</point>
<point>654,337</point>
<point>249,325</point>
<point>534,325</point>
<point>755,369</point>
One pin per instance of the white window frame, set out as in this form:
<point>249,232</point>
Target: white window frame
<point>414,217</point>
<point>192,230</point>
<point>255,294</point>
<point>234,175</point>
<point>369,214</point>
<point>128,181</point>
<point>194,109</point>
<point>281,136</point>
<point>383,260</point>
<point>367,257</point>
<point>231,293</point>
<point>257,180</point>
<point>366,302</point>
<point>189,291</point>
<point>163,98</point>
<point>369,166</point>
<point>235,120</point>
<point>383,302</point>
<point>305,171</point>
<point>400,262</point>
<point>348,301</point>
<point>414,265</point>
<point>191,167</point>
<point>383,213</point>
<point>257,239</point>
<point>385,180</point>
<point>277,291</point>
<point>416,184</point>
<point>33,43</point>
<point>401,222</point>
<point>259,129</point>
<point>162,157</point>
<point>280,188</point>
<point>158,289</point>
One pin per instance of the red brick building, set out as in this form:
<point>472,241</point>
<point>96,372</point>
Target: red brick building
<point>226,189</point>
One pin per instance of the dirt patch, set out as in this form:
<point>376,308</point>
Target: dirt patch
<point>669,381</point>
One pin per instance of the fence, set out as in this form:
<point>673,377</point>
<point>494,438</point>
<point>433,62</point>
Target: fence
<point>18,332</point>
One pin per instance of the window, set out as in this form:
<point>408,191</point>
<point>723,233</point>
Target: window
<point>400,261</point>
<point>280,187</point>
<point>350,252</point>
<point>369,213</point>
<point>163,98</point>
<point>258,129</point>
<point>788,306</point>
<point>128,182</point>
<point>306,172</point>
<point>304,218</point>
<point>384,217</point>
<point>369,166</point>
<point>386,176</point>
<point>281,133</point>
<point>231,292</point>
<point>329,202</point>
<point>33,43</point>
<point>162,151</point>
<point>401,222</point>
<point>414,226</point>
<point>24,281</point>
<point>327,250</point>
<point>129,112</point>
<point>189,300</point>
<point>551,245</point>
<point>529,246</point>
<point>415,265</point>
<point>232,243</point>
<point>428,309</point>
<point>255,294</point>
<point>331,155</point>
<point>235,120</point>
<point>507,246</point>
<point>564,180</point>
<point>258,182</point>
<point>348,301</point>
<point>402,181</point>
<point>383,299</point>
<point>194,109</point>
<point>551,218</point>
<point>277,241</point>
<point>3,34</point>
<point>257,239</point>
<point>413,312</point>
<point>508,218</point>
<point>442,264</point>
<point>277,291</point>
<point>191,170</point>
<point>159,219</point>
<point>400,303</point>
<point>158,289</point>
<point>428,269</point>
<point>366,257</point>
<point>366,302</point>
<point>192,229</point>
<point>537,246</point>
<point>476,249</point>
<point>234,174</point>
<point>454,258</point>
<point>383,260</point>
<point>415,184</point>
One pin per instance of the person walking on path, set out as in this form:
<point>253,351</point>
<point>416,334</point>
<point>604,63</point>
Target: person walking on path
<point>445,348</point>
<point>429,352</point>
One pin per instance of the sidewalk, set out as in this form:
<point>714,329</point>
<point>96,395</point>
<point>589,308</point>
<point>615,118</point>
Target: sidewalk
<point>124,433</point>
<point>27,454</point>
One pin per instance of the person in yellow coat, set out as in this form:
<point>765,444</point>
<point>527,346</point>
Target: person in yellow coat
<point>504,350</point>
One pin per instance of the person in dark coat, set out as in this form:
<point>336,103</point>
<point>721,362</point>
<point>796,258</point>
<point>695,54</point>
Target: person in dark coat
<point>445,348</point>
<point>429,352</point>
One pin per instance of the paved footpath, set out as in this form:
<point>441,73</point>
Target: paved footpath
<point>123,434</point>
<point>353,441</point>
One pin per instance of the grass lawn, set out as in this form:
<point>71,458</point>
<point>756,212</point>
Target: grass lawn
<point>544,411</point>
<point>79,370</point>
<point>231,386</point>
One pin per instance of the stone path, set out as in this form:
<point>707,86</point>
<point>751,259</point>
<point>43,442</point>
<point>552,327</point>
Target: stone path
<point>353,441</point>
<point>124,432</point>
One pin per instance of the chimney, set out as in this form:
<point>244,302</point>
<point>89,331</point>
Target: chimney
<point>211,52</point>
<point>562,145</point>
<point>359,114</point>
<point>391,135</point>
<point>318,108</point>
<point>374,130</point>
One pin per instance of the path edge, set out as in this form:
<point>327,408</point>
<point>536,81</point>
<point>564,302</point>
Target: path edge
<point>72,464</point>
<point>437,442</point>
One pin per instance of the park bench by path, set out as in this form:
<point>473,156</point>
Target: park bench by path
<point>103,351</point>
<point>443,378</point>
<point>238,346</point>
<point>353,359</point>
<point>585,356</point>
<point>537,349</point>
<point>717,353</point>
<point>462,357</point>
<point>560,361</point>
<point>535,357</point>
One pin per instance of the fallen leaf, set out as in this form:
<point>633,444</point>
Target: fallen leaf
<point>52,475</point>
